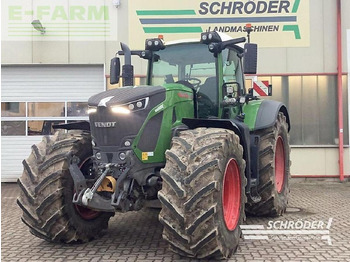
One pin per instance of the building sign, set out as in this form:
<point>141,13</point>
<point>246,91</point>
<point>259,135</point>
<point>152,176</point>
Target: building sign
<point>57,20</point>
<point>275,23</point>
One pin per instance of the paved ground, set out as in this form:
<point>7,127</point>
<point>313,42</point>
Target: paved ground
<point>137,236</point>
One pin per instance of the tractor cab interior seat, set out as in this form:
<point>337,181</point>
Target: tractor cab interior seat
<point>207,97</point>
<point>209,88</point>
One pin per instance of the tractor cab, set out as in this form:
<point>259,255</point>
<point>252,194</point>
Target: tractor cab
<point>208,66</point>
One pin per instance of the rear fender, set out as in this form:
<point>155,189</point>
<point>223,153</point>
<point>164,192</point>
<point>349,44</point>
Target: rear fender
<point>268,112</point>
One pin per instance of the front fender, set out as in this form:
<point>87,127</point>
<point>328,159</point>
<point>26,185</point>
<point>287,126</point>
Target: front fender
<point>82,125</point>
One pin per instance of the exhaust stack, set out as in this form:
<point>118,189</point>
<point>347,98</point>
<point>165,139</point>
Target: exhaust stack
<point>127,69</point>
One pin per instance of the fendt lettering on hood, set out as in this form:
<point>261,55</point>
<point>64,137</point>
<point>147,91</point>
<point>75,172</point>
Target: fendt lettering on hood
<point>105,124</point>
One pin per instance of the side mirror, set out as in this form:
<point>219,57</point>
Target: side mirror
<point>250,58</point>
<point>115,71</point>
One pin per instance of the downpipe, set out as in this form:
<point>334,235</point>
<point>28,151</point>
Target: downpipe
<point>340,93</point>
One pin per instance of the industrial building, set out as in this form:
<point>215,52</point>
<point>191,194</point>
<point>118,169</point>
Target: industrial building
<point>55,56</point>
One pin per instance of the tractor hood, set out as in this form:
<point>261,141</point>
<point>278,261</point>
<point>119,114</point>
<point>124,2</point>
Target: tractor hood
<point>124,95</point>
<point>117,117</point>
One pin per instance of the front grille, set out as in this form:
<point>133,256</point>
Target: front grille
<point>150,134</point>
<point>109,129</point>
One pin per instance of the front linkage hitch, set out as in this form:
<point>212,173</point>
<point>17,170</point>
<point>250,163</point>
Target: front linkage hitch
<point>87,197</point>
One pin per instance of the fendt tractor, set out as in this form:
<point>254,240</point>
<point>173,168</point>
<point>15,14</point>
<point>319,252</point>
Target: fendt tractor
<point>193,139</point>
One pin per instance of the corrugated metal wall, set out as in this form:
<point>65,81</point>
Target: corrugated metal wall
<point>13,151</point>
<point>38,83</point>
<point>50,82</point>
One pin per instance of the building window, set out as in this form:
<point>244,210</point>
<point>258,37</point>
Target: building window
<point>46,109</point>
<point>13,128</point>
<point>42,128</point>
<point>312,106</point>
<point>77,109</point>
<point>37,118</point>
<point>13,109</point>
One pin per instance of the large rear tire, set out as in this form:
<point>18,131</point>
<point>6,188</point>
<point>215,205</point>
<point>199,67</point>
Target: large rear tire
<point>47,191</point>
<point>274,165</point>
<point>203,193</point>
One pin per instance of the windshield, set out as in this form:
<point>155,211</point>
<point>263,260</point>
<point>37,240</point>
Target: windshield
<point>181,62</point>
<point>192,65</point>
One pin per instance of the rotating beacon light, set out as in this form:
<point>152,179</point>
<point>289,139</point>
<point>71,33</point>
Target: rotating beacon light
<point>248,29</point>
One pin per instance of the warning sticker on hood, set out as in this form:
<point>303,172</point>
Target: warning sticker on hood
<point>145,155</point>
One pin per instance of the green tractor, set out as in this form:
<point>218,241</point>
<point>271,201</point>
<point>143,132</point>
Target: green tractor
<point>192,140</point>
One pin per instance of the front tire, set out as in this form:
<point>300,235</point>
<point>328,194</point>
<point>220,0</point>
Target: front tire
<point>47,190</point>
<point>203,193</point>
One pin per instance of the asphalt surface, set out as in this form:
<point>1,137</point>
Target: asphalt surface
<point>137,236</point>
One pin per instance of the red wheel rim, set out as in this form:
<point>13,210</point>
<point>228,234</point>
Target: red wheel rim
<point>86,213</point>
<point>231,195</point>
<point>279,165</point>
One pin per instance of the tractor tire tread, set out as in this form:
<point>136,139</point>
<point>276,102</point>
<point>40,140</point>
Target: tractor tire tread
<point>272,203</point>
<point>45,183</point>
<point>195,162</point>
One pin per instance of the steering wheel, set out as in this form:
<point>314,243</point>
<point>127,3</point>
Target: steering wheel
<point>194,81</point>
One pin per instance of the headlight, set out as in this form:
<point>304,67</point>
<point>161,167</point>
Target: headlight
<point>120,110</point>
<point>92,110</point>
<point>210,37</point>
<point>154,44</point>
<point>131,106</point>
